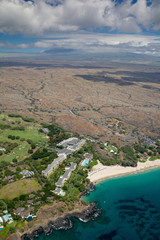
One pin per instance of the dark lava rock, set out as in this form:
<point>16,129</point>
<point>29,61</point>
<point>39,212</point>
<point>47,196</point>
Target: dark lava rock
<point>91,213</point>
<point>91,188</point>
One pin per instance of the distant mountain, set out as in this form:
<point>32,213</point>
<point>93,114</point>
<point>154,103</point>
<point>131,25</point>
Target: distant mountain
<point>60,50</point>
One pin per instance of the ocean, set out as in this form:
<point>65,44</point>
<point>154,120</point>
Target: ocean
<point>131,210</point>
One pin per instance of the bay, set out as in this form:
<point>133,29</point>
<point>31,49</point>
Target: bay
<point>131,210</point>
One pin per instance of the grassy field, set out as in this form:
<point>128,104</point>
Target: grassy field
<point>4,232</point>
<point>31,132</point>
<point>18,188</point>
<point>19,153</point>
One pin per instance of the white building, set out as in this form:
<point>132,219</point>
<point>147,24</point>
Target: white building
<point>54,165</point>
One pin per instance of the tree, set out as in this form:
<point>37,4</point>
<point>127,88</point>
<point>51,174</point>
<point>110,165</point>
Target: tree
<point>14,160</point>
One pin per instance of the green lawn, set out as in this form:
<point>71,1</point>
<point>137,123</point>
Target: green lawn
<point>31,129</point>
<point>6,229</point>
<point>15,189</point>
<point>19,152</point>
<point>31,132</point>
<point>4,232</point>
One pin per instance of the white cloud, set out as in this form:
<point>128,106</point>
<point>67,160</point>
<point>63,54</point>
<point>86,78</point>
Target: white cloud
<point>38,17</point>
<point>89,42</point>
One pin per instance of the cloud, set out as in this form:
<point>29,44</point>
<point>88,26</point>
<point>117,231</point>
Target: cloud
<point>40,16</point>
<point>94,43</point>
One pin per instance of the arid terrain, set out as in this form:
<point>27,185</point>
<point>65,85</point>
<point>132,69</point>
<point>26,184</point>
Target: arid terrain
<point>101,102</point>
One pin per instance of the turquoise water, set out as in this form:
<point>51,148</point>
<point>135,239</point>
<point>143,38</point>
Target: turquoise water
<point>131,211</point>
<point>86,163</point>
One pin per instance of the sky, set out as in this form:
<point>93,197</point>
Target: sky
<point>90,26</point>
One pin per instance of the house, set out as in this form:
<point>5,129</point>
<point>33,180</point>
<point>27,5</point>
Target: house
<point>50,199</point>
<point>32,195</point>
<point>38,203</point>
<point>19,211</point>
<point>2,149</point>
<point>30,201</point>
<point>27,173</point>
<point>7,218</point>
<point>22,212</point>
<point>42,193</point>
<point>88,156</point>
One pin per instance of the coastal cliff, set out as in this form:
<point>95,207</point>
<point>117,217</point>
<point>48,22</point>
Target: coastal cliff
<point>83,213</point>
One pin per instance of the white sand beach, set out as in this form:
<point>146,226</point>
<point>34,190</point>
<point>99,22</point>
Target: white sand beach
<point>101,172</point>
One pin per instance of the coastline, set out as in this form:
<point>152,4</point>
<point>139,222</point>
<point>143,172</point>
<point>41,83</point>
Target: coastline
<point>101,172</point>
<point>45,222</point>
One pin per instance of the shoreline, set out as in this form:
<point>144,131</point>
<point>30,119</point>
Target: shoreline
<point>101,172</point>
<point>45,222</point>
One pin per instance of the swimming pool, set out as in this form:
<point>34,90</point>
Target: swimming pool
<point>86,163</point>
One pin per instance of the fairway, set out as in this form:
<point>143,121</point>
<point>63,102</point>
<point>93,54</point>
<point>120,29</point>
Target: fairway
<point>19,153</point>
<point>18,188</point>
<point>31,131</point>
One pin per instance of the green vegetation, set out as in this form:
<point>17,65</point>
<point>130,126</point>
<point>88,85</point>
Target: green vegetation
<point>154,158</point>
<point>15,189</point>
<point>25,148</point>
<point>111,149</point>
<point>15,136</point>
<point>130,159</point>
<point>4,232</point>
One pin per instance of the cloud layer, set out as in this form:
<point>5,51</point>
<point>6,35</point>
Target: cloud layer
<point>43,16</point>
<point>94,43</point>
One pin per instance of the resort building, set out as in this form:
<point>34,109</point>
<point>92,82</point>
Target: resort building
<point>54,164</point>
<point>69,141</point>
<point>66,176</point>
<point>69,145</point>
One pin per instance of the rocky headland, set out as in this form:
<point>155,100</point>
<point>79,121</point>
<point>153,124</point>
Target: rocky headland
<point>46,225</point>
